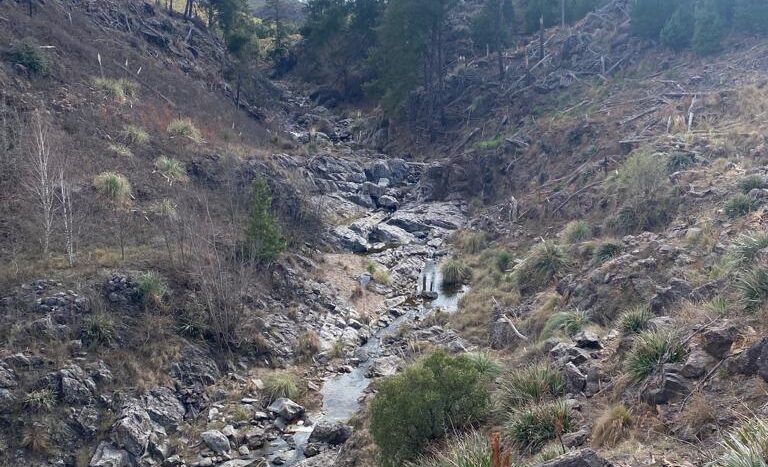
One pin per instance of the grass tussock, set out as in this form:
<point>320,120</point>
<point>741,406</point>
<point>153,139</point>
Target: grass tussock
<point>280,385</point>
<point>746,248</point>
<point>455,273</point>
<point>152,287</point>
<point>652,349</point>
<point>746,445</point>
<point>40,400</point>
<point>184,128</point>
<point>307,345</point>
<point>545,262</point>
<point>98,330</point>
<point>471,449</point>
<point>534,383</point>
<point>606,250</point>
<point>121,150</point>
<point>739,206</point>
<point>567,322</point>
<point>753,182</point>
<point>533,426</point>
<point>171,169</point>
<point>472,243</point>
<point>611,427</point>
<point>752,286</point>
<point>113,186</point>
<point>134,135</point>
<point>576,232</point>
<point>635,320</point>
<point>119,90</point>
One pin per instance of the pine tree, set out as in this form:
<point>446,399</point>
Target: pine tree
<point>709,28</point>
<point>678,31</point>
<point>264,242</point>
<point>751,16</point>
<point>650,16</point>
<point>492,28</point>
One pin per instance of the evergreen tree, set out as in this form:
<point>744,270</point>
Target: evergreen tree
<point>709,28</point>
<point>264,242</point>
<point>751,16</point>
<point>678,31</point>
<point>650,16</point>
<point>492,28</point>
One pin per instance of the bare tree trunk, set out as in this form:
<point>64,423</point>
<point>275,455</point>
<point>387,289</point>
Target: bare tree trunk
<point>541,37</point>
<point>65,201</point>
<point>41,182</point>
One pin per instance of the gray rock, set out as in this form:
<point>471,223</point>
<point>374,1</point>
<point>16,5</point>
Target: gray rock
<point>575,439</point>
<point>391,235</point>
<point>349,240</point>
<point>667,386</point>
<point>587,340</point>
<point>216,441</point>
<point>661,323</point>
<point>107,455</point>
<point>697,364</point>
<point>286,409</point>
<point>195,367</point>
<point>8,377</point>
<point>717,340</point>
<point>564,353</point>
<point>666,297</point>
<point>239,463</point>
<point>86,421</point>
<point>384,366</point>
<point>7,401</point>
<point>133,429</point>
<point>330,433</point>
<point>373,190</point>
<point>575,380</point>
<point>582,458</point>
<point>388,202</point>
<point>164,408</point>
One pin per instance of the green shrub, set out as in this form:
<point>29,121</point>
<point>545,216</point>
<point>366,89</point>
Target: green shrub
<point>533,426</point>
<point>40,400</point>
<point>645,193</point>
<point>606,250</point>
<point>455,273</point>
<point>740,205</point>
<point>28,53</point>
<point>192,321</point>
<point>745,250</point>
<point>264,241</point>
<point>278,386</point>
<point>576,232</point>
<point>679,160</point>
<point>152,287</point>
<point>750,183</point>
<point>503,260</point>
<point>568,322</point>
<point>470,449</point>
<point>752,286</point>
<point>184,128</point>
<point>543,264</point>
<point>118,89</point>
<point>534,383</point>
<point>746,445</point>
<point>134,135</point>
<point>652,349</point>
<point>635,320</point>
<point>98,330</point>
<point>678,31</point>
<point>171,169</point>
<point>121,150</point>
<point>490,144</point>
<point>438,394</point>
<point>114,187</point>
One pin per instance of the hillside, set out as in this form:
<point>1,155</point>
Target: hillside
<point>207,266</point>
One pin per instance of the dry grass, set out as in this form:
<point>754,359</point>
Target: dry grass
<point>611,427</point>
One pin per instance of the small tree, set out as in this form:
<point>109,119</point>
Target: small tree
<point>264,242</point>
<point>751,16</point>
<point>650,16</point>
<point>115,190</point>
<point>41,180</point>
<point>492,28</point>
<point>678,31</point>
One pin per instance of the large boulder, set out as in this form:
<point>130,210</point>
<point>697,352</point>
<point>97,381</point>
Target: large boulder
<point>330,433</point>
<point>349,240</point>
<point>667,386</point>
<point>8,377</point>
<point>717,340</point>
<point>286,409</point>
<point>384,366</point>
<point>107,455</point>
<point>133,429</point>
<point>564,353</point>
<point>195,367</point>
<point>216,441</point>
<point>582,458</point>
<point>164,408</point>
<point>666,297</point>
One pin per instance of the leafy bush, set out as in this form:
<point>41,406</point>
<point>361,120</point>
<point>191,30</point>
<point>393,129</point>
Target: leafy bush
<point>740,205</point>
<point>429,398</point>
<point>651,350</point>
<point>531,427</point>
<point>134,135</point>
<point>121,150</point>
<point>568,322</point>
<point>152,287</point>
<point>27,53</point>
<point>171,169</point>
<point>264,241</point>
<point>750,183</point>
<point>118,89</point>
<point>184,128</point>
<point>534,383</point>
<point>113,186</point>
<point>40,400</point>
<point>606,250</point>
<point>645,194</point>
<point>612,426</point>
<point>752,285</point>
<point>635,320</point>
<point>98,329</point>
<point>278,386</point>
<point>455,273</point>
<point>503,259</point>
<point>470,449</point>
<point>576,231</point>
<point>746,248</point>
<point>543,264</point>
<point>746,445</point>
